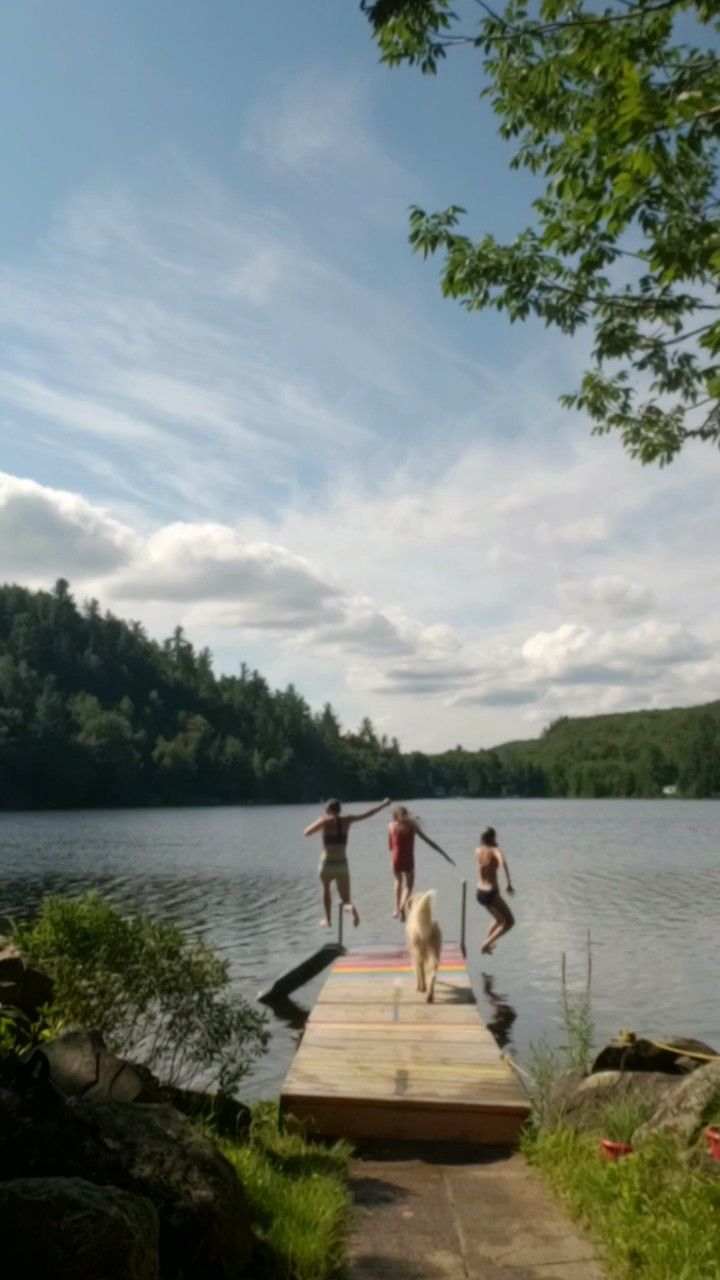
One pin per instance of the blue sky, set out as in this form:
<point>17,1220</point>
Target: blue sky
<point>231,397</point>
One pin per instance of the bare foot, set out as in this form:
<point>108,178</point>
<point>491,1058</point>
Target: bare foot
<point>324,924</point>
<point>396,915</point>
<point>486,950</point>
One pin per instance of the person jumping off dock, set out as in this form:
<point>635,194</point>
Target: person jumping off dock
<point>334,863</point>
<point>490,859</point>
<point>401,841</point>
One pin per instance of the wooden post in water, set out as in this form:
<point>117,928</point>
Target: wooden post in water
<point>341,913</point>
<point>463,917</point>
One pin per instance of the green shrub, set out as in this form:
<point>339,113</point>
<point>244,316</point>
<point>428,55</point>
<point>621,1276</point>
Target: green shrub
<point>653,1216</point>
<point>618,1119</point>
<point>546,1064</point>
<point>299,1199</point>
<point>578,1016</point>
<point>151,991</point>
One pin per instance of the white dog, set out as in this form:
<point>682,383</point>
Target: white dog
<point>424,941</point>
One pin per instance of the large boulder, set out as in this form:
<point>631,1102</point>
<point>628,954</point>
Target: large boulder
<point>671,1054</point>
<point>21,986</point>
<point>145,1149</point>
<point>581,1101</point>
<point>40,1135</point>
<point>681,1114</point>
<point>81,1065</point>
<point>68,1229</point>
<point>205,1232</point>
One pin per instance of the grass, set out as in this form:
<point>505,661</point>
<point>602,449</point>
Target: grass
<point>653,1216</point>
<point>299,1199</point>
<point>618,1120</point>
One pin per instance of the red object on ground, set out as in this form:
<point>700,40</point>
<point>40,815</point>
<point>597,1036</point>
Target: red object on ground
<point>614,1150</point>
<point>712,1133</point>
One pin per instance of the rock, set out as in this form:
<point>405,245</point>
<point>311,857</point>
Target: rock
<point>205,1232</point>
<point>21,986</point>
<point>148,1150</point>
<point>681,1113</point>
<point>81,1065</point>
<point>68,1229</point>
<point>40,1134</point>
<point>580,1101</point>
<point>564,1089</point>
<point>667,1053</point>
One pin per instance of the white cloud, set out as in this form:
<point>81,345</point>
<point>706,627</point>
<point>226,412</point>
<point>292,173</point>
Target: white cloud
<point>316,124</point>
<point>578,655</point>
<point>268,585</point>
<point>306,451</point>
<point>609,594</point>
<point>46,533</point>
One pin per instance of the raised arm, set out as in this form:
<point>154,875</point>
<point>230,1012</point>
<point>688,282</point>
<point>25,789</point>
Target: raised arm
<point>503,863</point>
<point>360,817</point>
<point>434,846</point>
<point>317,825</point>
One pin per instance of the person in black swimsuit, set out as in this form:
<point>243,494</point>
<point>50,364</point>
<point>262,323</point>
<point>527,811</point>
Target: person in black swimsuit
<point>490,859</point>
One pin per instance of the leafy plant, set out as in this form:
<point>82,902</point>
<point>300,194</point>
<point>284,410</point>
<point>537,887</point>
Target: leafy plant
<point>548,1061</point>
<point>578,1017</point>
<point>151,991</point>
<point>617,109</point>
<point>546,1064</point>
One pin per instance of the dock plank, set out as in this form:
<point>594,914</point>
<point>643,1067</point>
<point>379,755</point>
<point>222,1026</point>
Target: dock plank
<point>377,1061</point>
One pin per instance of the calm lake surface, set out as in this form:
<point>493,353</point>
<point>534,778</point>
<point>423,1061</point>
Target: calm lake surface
<point>642,876</point>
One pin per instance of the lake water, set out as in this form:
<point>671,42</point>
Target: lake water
<point>642,876</point>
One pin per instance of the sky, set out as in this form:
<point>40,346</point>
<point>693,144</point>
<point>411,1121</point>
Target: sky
<point>232,398</point>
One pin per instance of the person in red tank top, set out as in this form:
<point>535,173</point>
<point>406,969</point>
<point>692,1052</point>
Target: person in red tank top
<point>401,841</point>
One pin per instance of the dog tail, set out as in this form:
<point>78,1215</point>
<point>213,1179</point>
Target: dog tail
<point>423,908</point>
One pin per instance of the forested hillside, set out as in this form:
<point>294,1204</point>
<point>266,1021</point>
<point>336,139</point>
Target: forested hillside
<point>93,712</point>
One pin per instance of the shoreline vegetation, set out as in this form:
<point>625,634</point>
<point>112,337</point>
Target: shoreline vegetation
<point>223,1189</point>
<point>654,1213</point>
<point>93,714</point>
<point>280,1205</point>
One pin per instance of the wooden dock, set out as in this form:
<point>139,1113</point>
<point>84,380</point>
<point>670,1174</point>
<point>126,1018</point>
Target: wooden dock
<point>376,1061</point>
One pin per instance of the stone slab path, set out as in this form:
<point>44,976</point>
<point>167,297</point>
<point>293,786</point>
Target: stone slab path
<point>436,1215</point>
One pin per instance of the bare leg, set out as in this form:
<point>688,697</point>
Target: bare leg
<point>504,921</point>
<point>409,878</point>
<point>398,895</point>
<point>343,884</point>
<point>327,904</point>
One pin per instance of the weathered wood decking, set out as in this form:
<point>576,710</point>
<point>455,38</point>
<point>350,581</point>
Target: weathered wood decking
<point>376,1061</point>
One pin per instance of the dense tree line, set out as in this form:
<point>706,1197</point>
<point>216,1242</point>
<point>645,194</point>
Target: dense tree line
<point>94,712</point>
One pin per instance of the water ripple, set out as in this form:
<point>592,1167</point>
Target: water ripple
<point>246,880</point>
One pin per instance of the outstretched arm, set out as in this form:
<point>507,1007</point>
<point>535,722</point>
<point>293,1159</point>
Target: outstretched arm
<point>360,817</point>
<point>503,863</point>
<point>317,825</point>
<point>435,846</point>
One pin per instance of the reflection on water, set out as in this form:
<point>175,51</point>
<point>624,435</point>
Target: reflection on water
<point>288,1011</point>
<point>502,1015</point>
<point>245,879</point>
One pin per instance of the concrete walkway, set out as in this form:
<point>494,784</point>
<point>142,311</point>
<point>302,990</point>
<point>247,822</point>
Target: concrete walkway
<point>437,1215</point>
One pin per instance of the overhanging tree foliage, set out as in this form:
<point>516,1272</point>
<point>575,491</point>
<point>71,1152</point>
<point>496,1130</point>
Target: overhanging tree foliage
<point>619,109</point>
